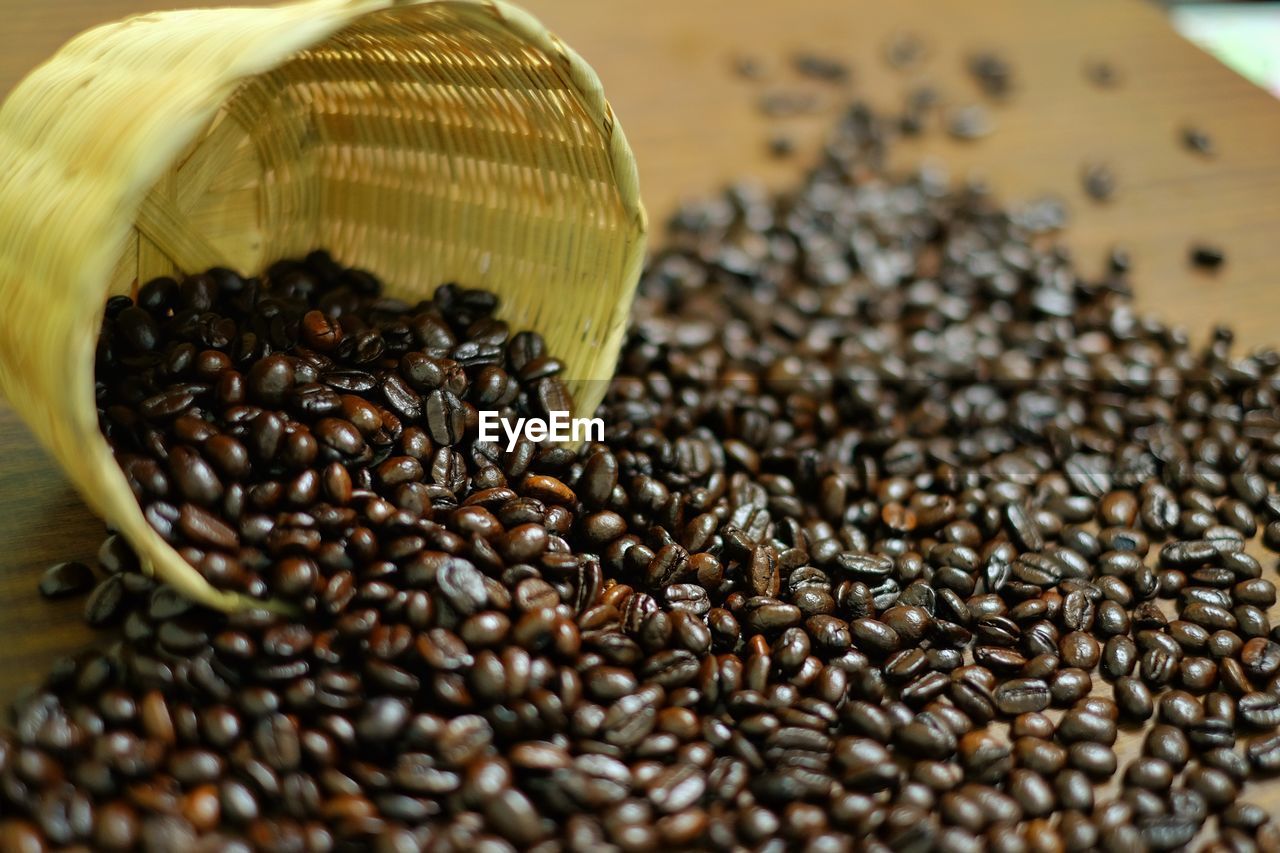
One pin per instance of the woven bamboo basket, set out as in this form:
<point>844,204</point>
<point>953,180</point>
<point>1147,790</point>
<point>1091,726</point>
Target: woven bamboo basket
<point>425,140</point>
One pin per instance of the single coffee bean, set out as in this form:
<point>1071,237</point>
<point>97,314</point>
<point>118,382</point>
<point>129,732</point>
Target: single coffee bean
<point>1042,756</point>
<point>270,379</point>
<point>63,580</point>
<point>1181,709</point>
<point>1080,725</point>
<point>1021,695</point>
<point>106,603</point>
<point>1096,760</point>
<point>1133,698</point>
<point>1263,753</point>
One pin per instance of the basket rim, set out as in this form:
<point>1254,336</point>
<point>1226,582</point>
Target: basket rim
<point>586,82</point>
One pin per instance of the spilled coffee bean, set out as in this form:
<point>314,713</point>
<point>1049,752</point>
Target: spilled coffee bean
<point>64,580</point>
<point>888,489</point>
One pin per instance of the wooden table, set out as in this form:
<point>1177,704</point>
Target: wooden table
<point>667,66</point>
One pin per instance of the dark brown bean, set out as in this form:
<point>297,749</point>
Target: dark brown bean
<point>63,580</point>
<point>1021,695</point>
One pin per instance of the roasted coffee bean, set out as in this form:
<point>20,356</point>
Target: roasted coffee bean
<point>1032,792</point>
<point>1214,785</point>
<point>1263,753</point>
<point>1119,657</point>
<point>1079,649</point>
<point>105,605</point>
<point>1259,710</point>
<point>1151,773</point>
<point>1167,832</point>
<point>1207,256</point>
<point>320,332</point>
<point>1079,725</point>
<point>1074,790</point>
<point>401,398</point>
<point>1033,724</point>
<point>1018,696</point>
<point>1067,686</point>
<point>206,530</point>
<point>1133,698</point>
<point>865,765</point>
<point>193,477</point>
<point>970,122</point>
<point>63,580</point>
<point>270,379</point>
<point>1042,756</point>
<point>1180,709</point>
<point>445,416</point>
<point>1157,667</point>
<point>115,555</point>
<point>985,757</point>
<point>1096,760</point>
<point>1197,140</point>
<point>1099,181</point>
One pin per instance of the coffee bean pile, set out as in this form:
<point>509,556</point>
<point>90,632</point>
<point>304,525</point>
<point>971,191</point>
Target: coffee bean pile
<point>900,520</point>
<point>289,436</point>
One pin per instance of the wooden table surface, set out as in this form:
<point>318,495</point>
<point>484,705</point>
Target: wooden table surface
<point>667,67</point>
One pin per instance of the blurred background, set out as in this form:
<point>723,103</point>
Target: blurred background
<point>1243,34</point>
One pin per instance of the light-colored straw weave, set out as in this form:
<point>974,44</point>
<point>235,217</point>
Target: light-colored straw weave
<point>428,141</point>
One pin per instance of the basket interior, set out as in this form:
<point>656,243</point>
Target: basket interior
<point>420,146</point>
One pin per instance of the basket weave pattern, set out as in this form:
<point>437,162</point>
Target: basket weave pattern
<point>430,141</point>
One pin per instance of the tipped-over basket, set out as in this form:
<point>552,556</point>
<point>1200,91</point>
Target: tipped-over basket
<point>427,141</point>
